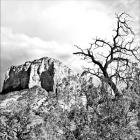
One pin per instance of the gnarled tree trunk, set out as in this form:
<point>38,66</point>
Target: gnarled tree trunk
<point>114,88</point>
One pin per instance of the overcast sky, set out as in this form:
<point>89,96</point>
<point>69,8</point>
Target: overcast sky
<point>32,29</point>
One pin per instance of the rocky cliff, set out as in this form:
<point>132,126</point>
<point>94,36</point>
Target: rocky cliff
<point>38,97</point>
<point>45,72</point>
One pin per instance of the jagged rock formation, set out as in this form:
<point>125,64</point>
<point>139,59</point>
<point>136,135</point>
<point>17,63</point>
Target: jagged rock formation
<point>40,96</point>
<point>45,72</point>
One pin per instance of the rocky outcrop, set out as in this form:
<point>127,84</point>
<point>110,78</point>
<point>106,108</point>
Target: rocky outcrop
<point>45,72</point>
<point>41,96</point>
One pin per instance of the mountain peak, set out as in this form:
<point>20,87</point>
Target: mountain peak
<point>44,72</point>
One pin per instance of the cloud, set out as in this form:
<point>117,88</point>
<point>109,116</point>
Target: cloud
<point>33,46</point>
<point>63,21</point>
<point>66,21</point>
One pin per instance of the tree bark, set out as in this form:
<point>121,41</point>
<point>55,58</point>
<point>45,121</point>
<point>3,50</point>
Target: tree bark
<point>111,84</point>
<point>114,88</point>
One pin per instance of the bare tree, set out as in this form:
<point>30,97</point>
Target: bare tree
<point>112,63</point>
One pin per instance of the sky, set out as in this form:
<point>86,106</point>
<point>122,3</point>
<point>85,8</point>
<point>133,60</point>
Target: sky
<point>32,29</point>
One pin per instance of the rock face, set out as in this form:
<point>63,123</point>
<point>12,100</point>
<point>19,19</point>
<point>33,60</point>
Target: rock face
<point>41,98</point>
<point>45,72</point>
